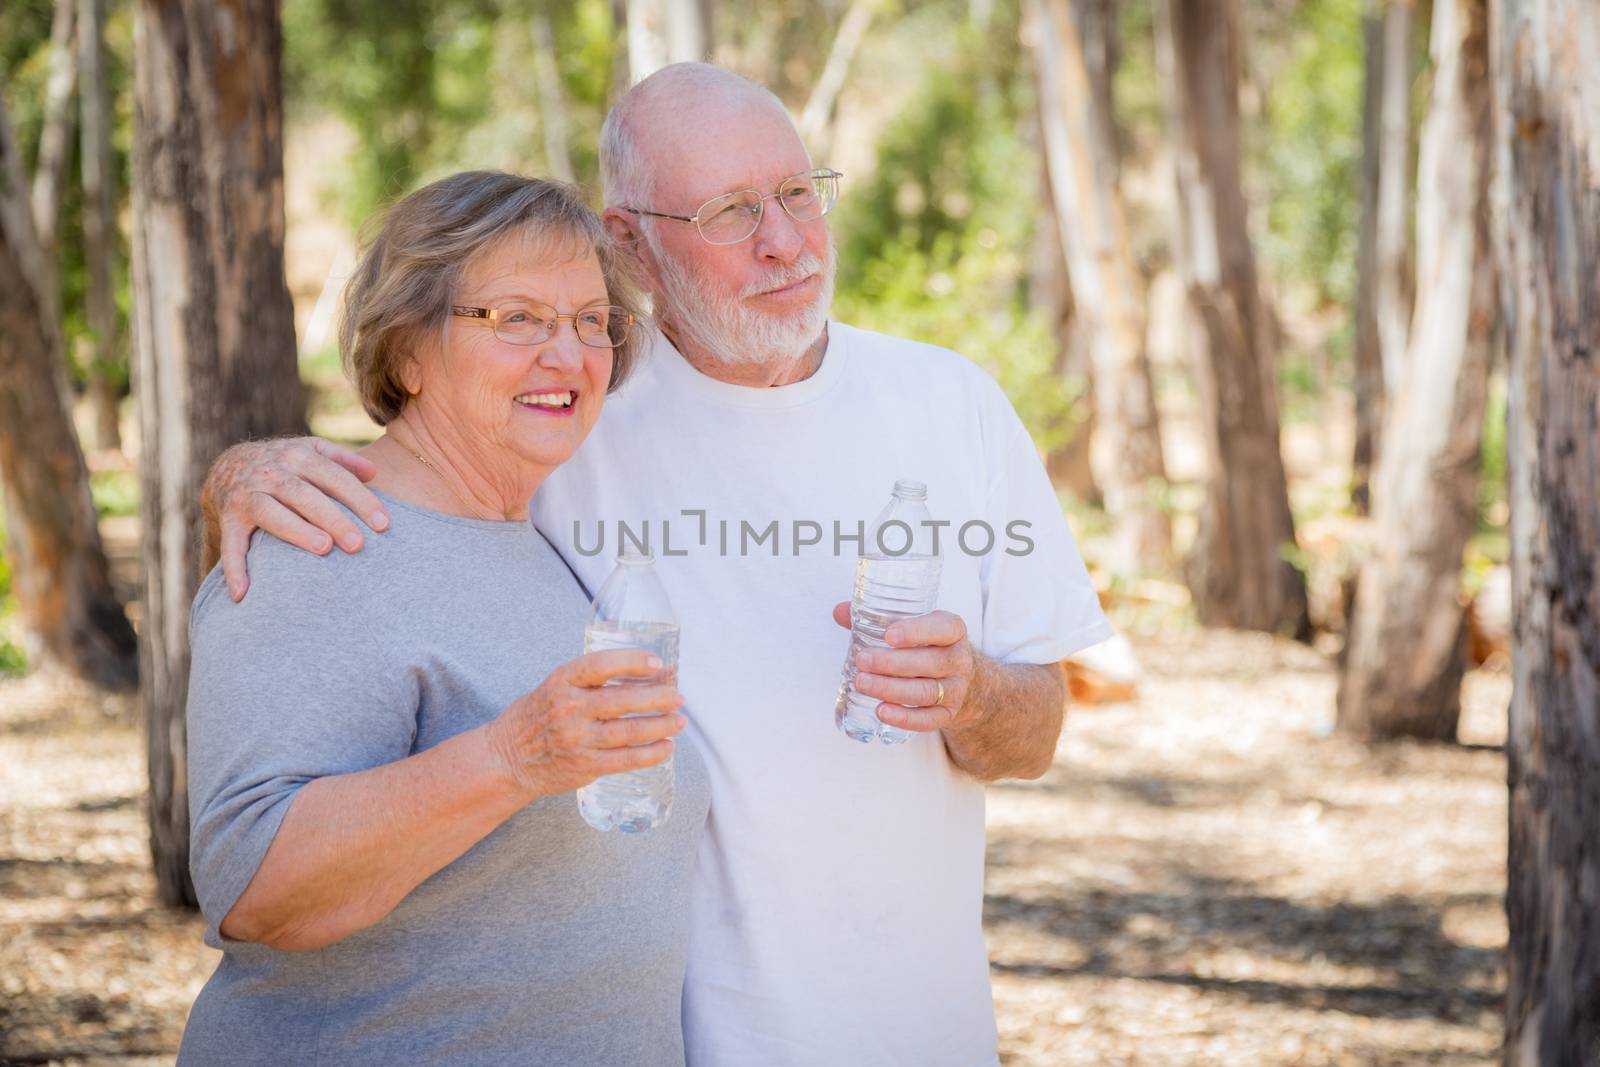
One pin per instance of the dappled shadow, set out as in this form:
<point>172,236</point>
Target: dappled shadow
<point>31,1029</point>
<point>22,879</point>
<point>1377,1001</point>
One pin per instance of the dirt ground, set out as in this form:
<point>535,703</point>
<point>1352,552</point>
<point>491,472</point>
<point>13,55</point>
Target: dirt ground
<point>1205,877</point>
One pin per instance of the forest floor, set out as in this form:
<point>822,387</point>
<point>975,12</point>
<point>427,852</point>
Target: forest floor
<point>1207,876</point>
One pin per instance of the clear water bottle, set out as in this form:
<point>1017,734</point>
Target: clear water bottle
<point>632,611</point>
<point>891,584</point>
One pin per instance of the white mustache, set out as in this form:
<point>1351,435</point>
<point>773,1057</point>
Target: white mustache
<point>799,271</point>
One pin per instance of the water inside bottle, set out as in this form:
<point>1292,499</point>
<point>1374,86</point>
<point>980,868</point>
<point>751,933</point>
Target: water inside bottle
<point>639,800</point>
<point>888,588</point>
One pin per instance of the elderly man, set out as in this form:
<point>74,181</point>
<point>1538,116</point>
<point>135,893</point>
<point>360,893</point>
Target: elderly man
<point>837,910</point>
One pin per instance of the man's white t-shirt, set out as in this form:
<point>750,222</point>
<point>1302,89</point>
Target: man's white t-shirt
<point>837,906</point>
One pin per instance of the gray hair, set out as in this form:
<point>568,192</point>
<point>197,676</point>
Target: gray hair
<point>626,175</point>
<point>405,282</point>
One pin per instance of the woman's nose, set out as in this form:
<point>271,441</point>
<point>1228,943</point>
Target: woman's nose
<point>561,350</point>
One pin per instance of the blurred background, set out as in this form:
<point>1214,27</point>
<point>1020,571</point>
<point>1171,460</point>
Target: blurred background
<point>1234,265</point>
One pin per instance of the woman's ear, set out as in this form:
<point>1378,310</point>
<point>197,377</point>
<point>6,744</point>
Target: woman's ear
<point>411,375</point>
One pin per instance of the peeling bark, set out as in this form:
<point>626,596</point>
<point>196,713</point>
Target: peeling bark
<point>1081,153</point>
<point>1239,571</point>
<point>1547,97</point>
<point>1406,652</point>
<point>215,346</point>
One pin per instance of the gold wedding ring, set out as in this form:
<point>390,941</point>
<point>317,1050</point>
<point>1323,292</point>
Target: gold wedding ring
<point>940,698</point>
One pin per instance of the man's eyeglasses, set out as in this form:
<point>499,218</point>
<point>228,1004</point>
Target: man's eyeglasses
<point>731,217</point>
<point>528,323</point>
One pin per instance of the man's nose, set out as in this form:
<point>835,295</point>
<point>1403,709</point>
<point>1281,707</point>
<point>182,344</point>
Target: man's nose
<point>777,236</point>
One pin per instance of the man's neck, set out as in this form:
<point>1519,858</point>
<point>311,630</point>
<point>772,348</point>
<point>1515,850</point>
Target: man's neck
<point>785,371</point>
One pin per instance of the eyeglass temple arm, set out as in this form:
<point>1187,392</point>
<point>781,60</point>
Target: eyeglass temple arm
<point>662,215</point>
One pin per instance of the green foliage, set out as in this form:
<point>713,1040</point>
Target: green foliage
<point>115,492</point>
<point>1492,483</point>
<point>24,71</point>
<point>1310,152</point>
<point>12,660</point>
<point>435,86</point>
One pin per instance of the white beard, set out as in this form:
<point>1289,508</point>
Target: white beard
<point>727,328</point>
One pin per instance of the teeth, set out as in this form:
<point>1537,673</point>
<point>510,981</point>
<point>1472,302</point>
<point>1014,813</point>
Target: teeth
<point>546,400</point>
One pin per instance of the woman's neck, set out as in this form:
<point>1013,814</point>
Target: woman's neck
<point>421,461</point>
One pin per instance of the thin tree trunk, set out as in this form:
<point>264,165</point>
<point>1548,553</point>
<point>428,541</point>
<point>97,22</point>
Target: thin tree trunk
<point>666,31</point>
<point>1547,92</point>
<point>1081,151</point>
<point>816,119</point>
<point>1368,350</point>
<point>1393,291</point>
<point>73,618</point>
<point>1050,291</point>
<point>99,222</point>
<point>55,138</point>
<point>215,350</point>
<point>1406,652</point>
<point>1238,571</point>
<point>552,100</point>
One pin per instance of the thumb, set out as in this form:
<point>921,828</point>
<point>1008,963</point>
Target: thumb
<point>841,613</point>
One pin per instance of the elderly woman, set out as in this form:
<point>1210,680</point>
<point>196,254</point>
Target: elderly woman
<point>383,747</point>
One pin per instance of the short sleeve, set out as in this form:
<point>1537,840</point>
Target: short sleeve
<point>285,687</point>
<point>1039,605</point>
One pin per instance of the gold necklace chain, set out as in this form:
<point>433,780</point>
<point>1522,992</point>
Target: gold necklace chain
<point>442,480</point>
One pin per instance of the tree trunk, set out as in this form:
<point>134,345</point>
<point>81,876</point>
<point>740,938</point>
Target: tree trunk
<point>99,222</point>
<point>1050,291</point>
<point>1548,153</point>
<point>666,31</point>
<point>215,349</point>
<point>1080,148</point>
<point>73,618</point>
<point>55,138</point>
<point>1393,290</point>
<point>816,119</point>
<point>1368,351</point>
<point>1406,650</point>
<point>552,100</point>
<point>1237,572</point>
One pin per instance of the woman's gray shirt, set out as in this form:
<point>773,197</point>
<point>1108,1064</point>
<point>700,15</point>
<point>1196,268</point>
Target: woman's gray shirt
<point>547,942</point>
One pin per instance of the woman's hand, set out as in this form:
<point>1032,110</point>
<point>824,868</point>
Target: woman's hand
<point>571,730</point>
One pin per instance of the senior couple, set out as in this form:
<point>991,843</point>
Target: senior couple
<point>384,741</point>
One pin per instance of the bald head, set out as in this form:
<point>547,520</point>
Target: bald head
<point>687,112</point>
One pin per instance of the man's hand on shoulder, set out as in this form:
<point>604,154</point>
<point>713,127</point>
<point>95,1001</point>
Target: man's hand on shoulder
<point>286,487</point>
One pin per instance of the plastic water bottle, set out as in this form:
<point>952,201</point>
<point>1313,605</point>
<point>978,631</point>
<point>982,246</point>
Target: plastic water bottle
<point>632,611</point>
<point>892,582</point>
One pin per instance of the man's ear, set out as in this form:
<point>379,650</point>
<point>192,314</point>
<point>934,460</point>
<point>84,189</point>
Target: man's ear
<point>624,229</point>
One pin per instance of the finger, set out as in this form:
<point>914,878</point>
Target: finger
<point>911,692</point>
<point>344,486</point>
<point>613,702</point>
<point>317,508</point>
<point>285,525</point>
<point>235,549</point>
<point>597,668</point>
<point>354,462</point>
<point>622,760</point>
<point>917,720</point>
<point>934,628</point>
<point>622,733</point>
<point>925,662</point>
<point>841,613</point>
